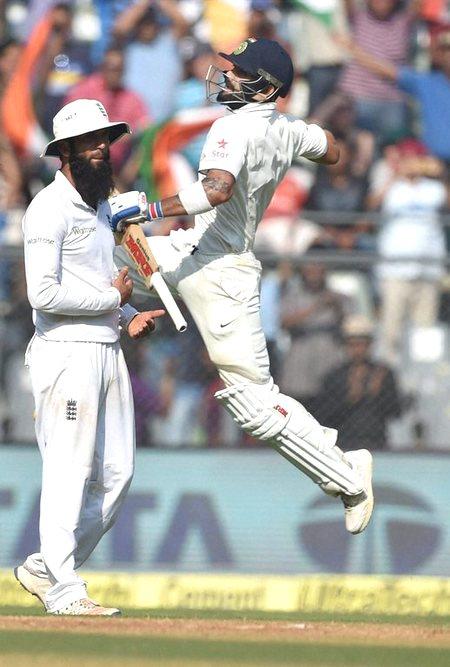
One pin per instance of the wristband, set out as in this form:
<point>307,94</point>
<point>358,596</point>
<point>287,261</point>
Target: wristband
<point>194,199</point>
<point>127,313</point>
<point>155,211</point>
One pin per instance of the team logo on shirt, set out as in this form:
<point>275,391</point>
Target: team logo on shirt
<point>220,152</point>
<point>71,410</point>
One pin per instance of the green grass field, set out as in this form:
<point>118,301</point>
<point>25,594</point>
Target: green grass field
<point>29,640</point>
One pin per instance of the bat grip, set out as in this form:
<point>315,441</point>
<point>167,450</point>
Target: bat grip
<point>169,302</point>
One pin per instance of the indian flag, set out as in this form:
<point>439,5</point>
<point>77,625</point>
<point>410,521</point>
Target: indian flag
<point>321,9</point>
<point>18,117</point>
<point>161,169</point>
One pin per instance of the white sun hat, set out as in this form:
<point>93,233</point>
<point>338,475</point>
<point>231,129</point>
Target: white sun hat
<point>79,117</point>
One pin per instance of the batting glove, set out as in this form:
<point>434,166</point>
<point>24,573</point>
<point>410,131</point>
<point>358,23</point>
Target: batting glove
<point>126,209</point>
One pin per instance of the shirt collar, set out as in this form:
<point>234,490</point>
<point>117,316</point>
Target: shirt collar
<point>256,106</point>
<point>71,193</point>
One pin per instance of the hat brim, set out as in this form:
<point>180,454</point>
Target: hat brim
<point>116,130</point>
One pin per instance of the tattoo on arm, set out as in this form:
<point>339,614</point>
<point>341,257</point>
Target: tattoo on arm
<point>214,184</point>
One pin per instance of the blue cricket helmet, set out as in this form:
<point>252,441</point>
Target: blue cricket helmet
<point>265,58</point>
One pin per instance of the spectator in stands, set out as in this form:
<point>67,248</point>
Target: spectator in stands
<point>12,209</point>
<point>15,387</point>
<point>312,315</point>
<point>191,370</point>
<point>411,233</point>
<point>430,89</point>
<point>339,194</point>
<point>198,56</point>
<point>338,114</point>
<point>273,282</point>
<point>107,12</point>
<point>153,50</point>
<point>263,23</point>
<point>260,20</point>
<point>382,28</point>
<point>212,416</point>
<point>283,229</point>
<point>10,50</point>
<point>337,187</point>
<point>11,180</point>
<point>106,85</point>
<point>149,400</point>
<point>65,62</point>
<point>315,52</point>
<point>361,396</point>
<point>384,170</point>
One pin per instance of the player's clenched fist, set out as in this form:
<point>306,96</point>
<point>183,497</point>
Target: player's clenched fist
<point>127,208</point>
<point>124,284</point>
<point>144,323</point>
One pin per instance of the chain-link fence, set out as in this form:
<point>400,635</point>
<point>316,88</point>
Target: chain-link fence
<point>358,337</point>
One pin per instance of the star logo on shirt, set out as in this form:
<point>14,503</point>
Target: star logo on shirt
<point>222,143</point>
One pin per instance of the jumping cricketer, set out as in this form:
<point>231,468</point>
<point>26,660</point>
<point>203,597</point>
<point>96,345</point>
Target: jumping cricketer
<point>213,269</point>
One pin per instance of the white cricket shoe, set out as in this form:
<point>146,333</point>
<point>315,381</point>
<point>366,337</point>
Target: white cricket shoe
<point>33,583</point>
<point>359,508</point>
<point>86,607</point>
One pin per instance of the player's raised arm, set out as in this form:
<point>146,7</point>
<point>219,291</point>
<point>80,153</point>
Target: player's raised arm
<point>205,194</point>
<point>314,143</point>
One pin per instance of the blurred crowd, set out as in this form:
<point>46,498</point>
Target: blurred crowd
<point>355,289</point>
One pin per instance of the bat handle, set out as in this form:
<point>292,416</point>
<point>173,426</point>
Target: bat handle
<point>169,302</point>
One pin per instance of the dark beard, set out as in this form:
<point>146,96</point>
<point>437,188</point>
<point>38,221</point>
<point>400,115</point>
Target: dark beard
<point>94,184</point>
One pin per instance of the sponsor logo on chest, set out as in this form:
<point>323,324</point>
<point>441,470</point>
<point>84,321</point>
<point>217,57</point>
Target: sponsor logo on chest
<point>78,231</point>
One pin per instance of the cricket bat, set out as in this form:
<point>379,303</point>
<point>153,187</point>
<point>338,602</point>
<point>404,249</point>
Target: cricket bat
<point>135,244</point>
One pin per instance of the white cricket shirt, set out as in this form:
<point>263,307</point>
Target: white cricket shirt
<point>257,144</point>
<point>69,267</point>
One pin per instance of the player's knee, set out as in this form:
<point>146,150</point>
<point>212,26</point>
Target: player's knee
<point>242,373</point>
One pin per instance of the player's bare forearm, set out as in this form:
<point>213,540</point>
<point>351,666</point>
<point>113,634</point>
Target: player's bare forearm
<point>129,18</point>
<point>332,153</point>
<point>199,197</point>
<point>218,186</point>
<point>172,206</point>
<point>382,68</point>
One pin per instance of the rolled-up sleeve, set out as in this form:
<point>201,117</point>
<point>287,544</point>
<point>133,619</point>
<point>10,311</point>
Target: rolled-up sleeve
<point>311,141</point>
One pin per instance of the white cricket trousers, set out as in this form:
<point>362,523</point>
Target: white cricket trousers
<point>85,432</point>
<point>222,294</point>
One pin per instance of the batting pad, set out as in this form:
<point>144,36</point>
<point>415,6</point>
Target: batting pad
<point>266,414</point>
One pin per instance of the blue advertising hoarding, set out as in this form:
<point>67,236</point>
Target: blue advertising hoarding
<point>248,512</point>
